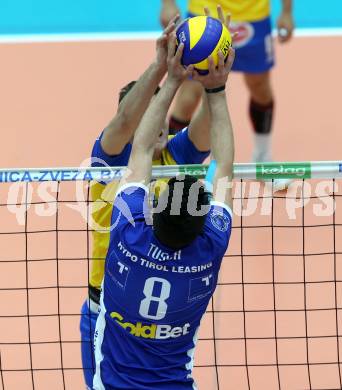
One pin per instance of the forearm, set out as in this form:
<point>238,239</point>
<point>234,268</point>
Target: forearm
<point>140,162</point>
<point>134,104</point>
<point>199,129</point>
<point>122,127</point>
<point>287,6</point>
<point>222,140</point>
<point>154,118</point>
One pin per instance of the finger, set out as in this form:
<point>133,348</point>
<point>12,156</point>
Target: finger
<point>162,42</point>
<point>170,27</point>
<point>230,59</point>
<point>160,39</point>
<point>228,20</point>
<point>175,19</point>
<point>206,11</point>
<point>220,61</point>
<point>220,13</point>
<point>189,70</point>
<point>235,35</point>
<point>179,52</point>
<point>172,24</point>
<point>172,46</point>
<point>196,76</point>
<point>211,66</point>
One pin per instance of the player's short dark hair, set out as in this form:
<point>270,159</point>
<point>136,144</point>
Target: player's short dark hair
<point>124,90</point>
<point>176,226</point>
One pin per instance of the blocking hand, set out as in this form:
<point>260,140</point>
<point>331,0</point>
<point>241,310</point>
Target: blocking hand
<point>176,71</point>
<point>217,76</point>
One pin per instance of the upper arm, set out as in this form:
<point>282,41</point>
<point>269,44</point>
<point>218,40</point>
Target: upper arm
<point>99,157</point>
<point>219,180</point>
<point>222,187</point>
<point>183,150</point>
<point>139,166</point>
<point>116,135</point>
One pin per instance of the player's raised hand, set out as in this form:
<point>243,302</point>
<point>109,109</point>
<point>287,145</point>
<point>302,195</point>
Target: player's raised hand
<point>224,19</point>
<point>162,43</point>
<point>176,71</point>
<point>217,76</point>
<point>168,11</point>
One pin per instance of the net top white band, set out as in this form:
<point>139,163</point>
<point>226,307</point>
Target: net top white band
<point>259,171</point>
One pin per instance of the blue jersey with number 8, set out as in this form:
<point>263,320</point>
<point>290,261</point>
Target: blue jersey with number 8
<point>153,298</point>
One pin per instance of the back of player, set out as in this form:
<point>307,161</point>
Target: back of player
<point>113,148</point>
<point>159,279</point>
<point>154,298</point>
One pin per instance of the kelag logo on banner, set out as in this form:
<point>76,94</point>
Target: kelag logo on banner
<point>283,171</point>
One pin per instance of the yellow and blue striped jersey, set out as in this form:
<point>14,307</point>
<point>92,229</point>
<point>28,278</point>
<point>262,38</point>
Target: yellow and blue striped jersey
<point>241,10</point>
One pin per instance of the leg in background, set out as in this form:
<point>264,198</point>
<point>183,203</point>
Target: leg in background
<point>261,110</point>
<point>87,328</point>
<point>261,113</point>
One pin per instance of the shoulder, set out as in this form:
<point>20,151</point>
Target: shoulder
<point>131,222</point>
<point>100,158</point>
<point>130,205</point>
<point>218,226</point>
<point>132,195</point>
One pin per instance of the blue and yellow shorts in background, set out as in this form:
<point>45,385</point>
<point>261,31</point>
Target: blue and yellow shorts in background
<point>254,46</point>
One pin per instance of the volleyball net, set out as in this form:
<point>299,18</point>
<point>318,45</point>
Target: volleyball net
<point>274,322</point>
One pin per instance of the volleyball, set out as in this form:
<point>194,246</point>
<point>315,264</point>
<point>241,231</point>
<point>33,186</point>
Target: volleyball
<point>203,36</point>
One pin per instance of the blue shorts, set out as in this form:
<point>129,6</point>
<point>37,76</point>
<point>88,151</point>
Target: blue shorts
<point>254,46</point>
<point>87,328</point>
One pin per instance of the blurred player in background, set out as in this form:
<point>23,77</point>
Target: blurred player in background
<point>254,58</point>
<point>113,148</point>
<point>153,300</point>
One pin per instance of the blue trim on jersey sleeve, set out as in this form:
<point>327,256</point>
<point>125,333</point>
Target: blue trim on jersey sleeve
<point>219,205</point>
<point>184,151</point>
<point>113,161</point>
<point>218,226</point>
<point>131,204</point>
